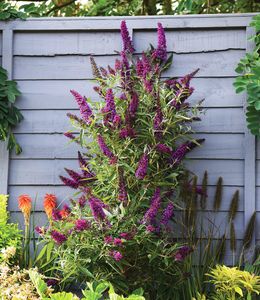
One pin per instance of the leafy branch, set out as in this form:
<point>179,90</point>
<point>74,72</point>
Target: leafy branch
<point>10,115</point>
<point>249,81</point>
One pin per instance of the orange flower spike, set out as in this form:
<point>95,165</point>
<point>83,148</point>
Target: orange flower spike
<point>25,205</point>
<point>50,203</point>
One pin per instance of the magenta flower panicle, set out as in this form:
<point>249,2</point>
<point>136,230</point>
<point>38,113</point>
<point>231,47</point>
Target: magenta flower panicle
<point>151,213</point>
<point>81,225</point>
<point>162,148</point>
<point>74,175</point>
<point>182,253</point>
<point>96,206</point>
<point>122,194</point>
<point>69,182</point>
<point>127,43</point>
<point>105,150</point>
<point>167,214</point>
<point>161,51</point>
<point>142,167</point>
<point>58,237</point>
<point>116,255</point>
<point>84,108</point>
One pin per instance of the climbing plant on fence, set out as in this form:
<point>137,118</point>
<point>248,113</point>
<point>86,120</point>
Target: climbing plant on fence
<point>10,115</point>
<point>249,81</point>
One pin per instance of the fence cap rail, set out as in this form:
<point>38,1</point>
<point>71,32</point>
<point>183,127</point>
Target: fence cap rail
<point>134,22</point>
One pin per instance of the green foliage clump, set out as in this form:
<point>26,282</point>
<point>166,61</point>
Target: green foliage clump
<point>232,283</point>
<point>10,235</point>
<point>249,81</point>
<point>10,115</point>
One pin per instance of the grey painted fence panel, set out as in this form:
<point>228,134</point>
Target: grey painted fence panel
<point>47,94</point>
<point>51,56</point>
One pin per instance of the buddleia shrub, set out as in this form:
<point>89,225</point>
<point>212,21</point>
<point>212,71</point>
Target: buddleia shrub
<point>133,144</point>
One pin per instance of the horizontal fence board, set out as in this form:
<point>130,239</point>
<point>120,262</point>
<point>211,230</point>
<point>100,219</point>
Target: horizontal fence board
<point>231,171</point>
<point>61,43</point>
<point>137,22</point>
<point>46,172</point>
<point>212,64</point>
<point>51,146</point>
<point>55,121</point>
<point>64,193</point>
<point>183,41</point>
<point>217,92</point>
<point>220,220</point>
<point>92,42</point>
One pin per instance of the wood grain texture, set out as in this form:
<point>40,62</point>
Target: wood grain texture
<point>47,94</point>
<point>188,41</point>
<point>64,194</point>
<point>221,120</point>
<point>46,172</point>
<point>181,41</point>
<point>212,64</point>
<point>57,146</point>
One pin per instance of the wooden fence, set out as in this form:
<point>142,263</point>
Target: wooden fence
<point>50,56</point>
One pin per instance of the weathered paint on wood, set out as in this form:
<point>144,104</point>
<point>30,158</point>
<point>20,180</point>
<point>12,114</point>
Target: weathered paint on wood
<point>7,40</point>
<point>221,120</point>
<point>57,146</point>
<point>214,64</point>
<point>47,94</point>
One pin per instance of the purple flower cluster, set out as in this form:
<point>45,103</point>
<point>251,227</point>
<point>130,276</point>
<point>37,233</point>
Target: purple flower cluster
<point>167,214</point>
<point>162,148</point>
<point>96,206</point>
<point>127,132</point>
<point>157,123</point>
<point>126,235</point>
<point>82,225</point>
<point>85,168</point>
<point>116,255</point>
<point>161,51</point>
<point>71,136</point>
<point>182,253</point>
<point>56,215</point>
<point>69,182</point>
<point>85,110</point>
<point>127,43</point>
<point>133,105</point>
<point>142,167</point>
<point>108,239</point>
<point>122,195</point>
<point>125,72</point>
<point>105,150</point>
<point>95,69</point>
<point>74,175</point>
<point>40,230</point>
<point>58,237</point>
<point>82,201</point>
<point>109,110</point>
<point>77,119</point>
<point>182,150</point>
<point>151,213</point>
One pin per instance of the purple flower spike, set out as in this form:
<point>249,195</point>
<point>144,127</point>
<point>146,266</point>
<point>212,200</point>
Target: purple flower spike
<point>110,108</point>
<point>151,213</point>
<point>162,148</point>
<point>71,136</point>
<point>157,123</point>
<point>167,214</point>
<point>182,150</point>
<point>161,51</point>
<point>186,79</point>
<point>116,255</point>
<point>82,225</point>
<point>127,43</point>
<point>127,132</point>
<point>74,175</point>
<point>69,182</point>
<point>58,237</point>
<point>104,148</point>
<point>82,201</point>
<point>118,65</point>
<point>147,68</point>
<point>122,195</point>
<point>133,105</point>
<point>96,206</point>
<point>182,253</point>
<point>56,215</point>
<point>85,110</point>
<point>142,167</point>
<point>139,67</point>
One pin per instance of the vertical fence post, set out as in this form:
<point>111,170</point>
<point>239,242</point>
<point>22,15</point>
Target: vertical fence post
<point>250,162</point>
<point>7,63</point>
